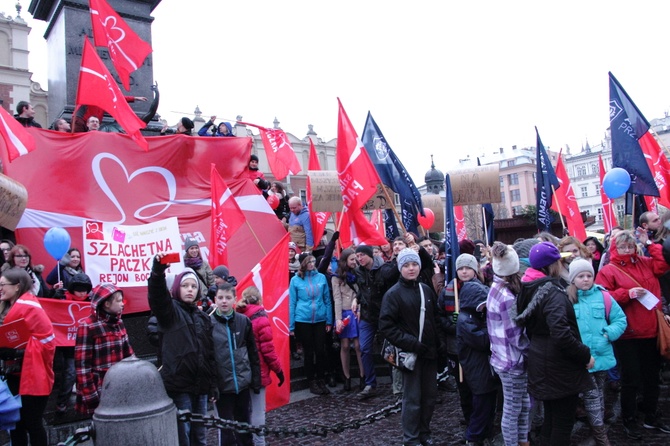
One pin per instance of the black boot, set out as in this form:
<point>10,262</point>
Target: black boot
<point>331,381</point>
<point>361,383</point>
<point>322,387</point>
<point>347,384</point>
<point>314,387</point>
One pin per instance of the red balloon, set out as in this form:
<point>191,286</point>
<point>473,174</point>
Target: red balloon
<point>427,221</point>
<point>273,201</point>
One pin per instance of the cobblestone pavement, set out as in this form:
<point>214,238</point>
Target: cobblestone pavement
<point>447,430</point>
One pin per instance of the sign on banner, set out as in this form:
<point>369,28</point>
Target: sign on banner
<point>123,254</point>
<point>475,185</point>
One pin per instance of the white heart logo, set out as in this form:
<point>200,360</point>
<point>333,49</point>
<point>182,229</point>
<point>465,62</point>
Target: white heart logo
<point>72,309</point>
<point>166,174</point>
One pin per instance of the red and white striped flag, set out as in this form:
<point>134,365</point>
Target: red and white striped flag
<point>355,229</point>
<point>18,141</point>
<point>227,217</point>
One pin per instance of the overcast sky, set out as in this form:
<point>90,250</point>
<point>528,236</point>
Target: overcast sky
<point>440,77</point>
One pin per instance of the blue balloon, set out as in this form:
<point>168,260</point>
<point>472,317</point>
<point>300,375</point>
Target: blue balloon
<point>616,182</point>
<point>57,242</point>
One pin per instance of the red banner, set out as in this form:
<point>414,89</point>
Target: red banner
<point>17,140</point>
<point>65,315</point>
<point>270,276</point>
<point>281,157</point>
<point>355,229</point>
<point>566,203</point>
<point>14,334</point>
<point>609,214</point>
<point>105,176</point>
<point>227,217</point>
<point>461,229</point>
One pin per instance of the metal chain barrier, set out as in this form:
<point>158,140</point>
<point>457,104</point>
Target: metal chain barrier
<point>80,435</point>
<point>210,421</point>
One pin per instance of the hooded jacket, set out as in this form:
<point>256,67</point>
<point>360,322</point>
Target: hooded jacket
<point>300,227</point>
<point>102,341</point>
<point>187,348</point>
<point>629,271</point>
<point>203,130</point>
<point>264,341</point>
<point>474,347</point>
<point>557,357</point>
<point>399,318</point>
<point>309,300</point>
<point>237,363</point>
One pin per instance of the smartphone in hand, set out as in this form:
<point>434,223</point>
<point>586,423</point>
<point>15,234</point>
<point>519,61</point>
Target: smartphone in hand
<point>172,257</point>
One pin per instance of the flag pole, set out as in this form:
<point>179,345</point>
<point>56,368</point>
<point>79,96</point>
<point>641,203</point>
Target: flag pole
<point>558,205</point>
<point>395,211</point>
<point>486,229</point>
<point>255,236</point>
<point>457,306</point>
<point>632,215</point>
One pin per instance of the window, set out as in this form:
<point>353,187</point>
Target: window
<point>502,197</point>
<point>511,163</point>
<point>515,195</point>
<point>303,195</point>
<point>594,168</point>
<point>597,188</point>
<point>517,210</point>
<point>513,179</point>
<point>600,214</point>
<point>502,181</point>
<point>581,171</point>
<point>585,191</point>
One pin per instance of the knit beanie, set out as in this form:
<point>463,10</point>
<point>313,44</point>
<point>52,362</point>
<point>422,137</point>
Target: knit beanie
<point>188,273</point>
<point>367,250</point>
<point>505,260</point>
<point>543,254</point>
<point>221,272</point>
<point>466,246</point>
<point>190,242</point>
<point>522,247</point>
<point>467,260</point>
<point>578,266</point>
<point>405,256</point>
<point>187,123</point>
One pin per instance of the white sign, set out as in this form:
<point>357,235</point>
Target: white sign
<point>123,254</point>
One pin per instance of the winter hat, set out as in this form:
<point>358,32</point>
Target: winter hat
<point>522,247</point>
<point>505,260</point>
<point>101,293</point>
<point>579,266</point>
<point>467,260</point>
<point>466,246</point>
<point>543,254</point>
<point>253,157</point>
<point>80,282</point>
<point>293,246</point>
<point>302,257</point>
<point>367,250</point>
<point>405,256</point>
<point>187,123</point>
<point>190,242</point>
<point>221,272</point>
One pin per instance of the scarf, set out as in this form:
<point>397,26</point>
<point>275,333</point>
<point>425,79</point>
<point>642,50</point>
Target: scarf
<point>193,262</point>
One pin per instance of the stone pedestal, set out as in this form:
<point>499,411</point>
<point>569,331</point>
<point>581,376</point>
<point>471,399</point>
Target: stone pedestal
<point>69,23</point>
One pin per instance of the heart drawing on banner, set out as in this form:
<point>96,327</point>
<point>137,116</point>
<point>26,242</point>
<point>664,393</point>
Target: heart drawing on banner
<point>77,313</point>
<point>167,176</point>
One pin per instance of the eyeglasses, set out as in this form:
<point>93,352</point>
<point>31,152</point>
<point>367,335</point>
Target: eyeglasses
<point>21,256</point>
<point>8,283</point>
<point>6,249</point>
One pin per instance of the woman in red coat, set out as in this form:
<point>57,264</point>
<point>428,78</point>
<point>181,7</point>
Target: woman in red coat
<point>628,277</point>
<point>251,305</point>
<point>35,384</point>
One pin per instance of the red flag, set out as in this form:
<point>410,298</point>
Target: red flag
<point>18,141</point>
<point>227,217</point>
<point>377,220</point>
<point>97,87</point>
<point>358,176</point>
<point>281,157</point>
<point>461,230</point>
<point>126,49</point>
<point>355,229</point>
<point>567,203</point>
<point>318,219</point>
<point>270,276</point>
<point>609,216</point>
<point>659,166</point>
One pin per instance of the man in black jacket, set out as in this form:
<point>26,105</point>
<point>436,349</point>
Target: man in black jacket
<point>25,114</point>
<point>407,320</point>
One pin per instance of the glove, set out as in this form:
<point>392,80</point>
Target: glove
<point>158,268</point>
<point>257,390</point>
<point>423,349</point>
<point>454,317</point>
<point>280,376</point>
<point>214,393</point>
<point>335,237</point>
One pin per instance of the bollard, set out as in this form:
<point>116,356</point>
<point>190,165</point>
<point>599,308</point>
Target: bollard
<point>134,408</point>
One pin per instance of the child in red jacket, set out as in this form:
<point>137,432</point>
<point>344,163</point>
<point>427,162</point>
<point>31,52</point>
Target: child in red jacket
<point>251,305</point>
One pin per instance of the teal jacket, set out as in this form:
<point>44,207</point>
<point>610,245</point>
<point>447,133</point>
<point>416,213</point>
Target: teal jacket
<point>309,300</point>
<point>597,333</point>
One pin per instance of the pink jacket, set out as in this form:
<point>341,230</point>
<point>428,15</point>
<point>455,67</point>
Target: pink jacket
<point>263,335</point>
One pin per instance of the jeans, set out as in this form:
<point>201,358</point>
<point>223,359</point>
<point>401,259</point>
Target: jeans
<point>366,337</point>
<point>258,415</point>
<point>196,404</point>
